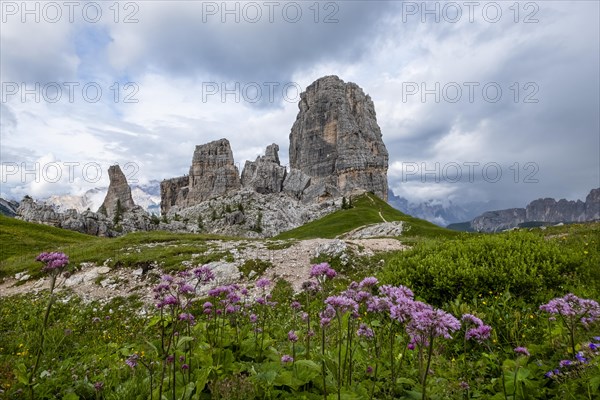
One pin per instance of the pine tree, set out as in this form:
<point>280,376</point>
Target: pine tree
<point>118,212</point>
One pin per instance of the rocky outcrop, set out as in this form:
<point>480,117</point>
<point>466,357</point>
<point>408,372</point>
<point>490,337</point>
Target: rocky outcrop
<point>106,222</point>
<point>592,205</point>
<point>337,142</point>
<point>212,174</point>
<point>546,210</point>
<point>493,221</point>
<point>8,207</point>
<point>118,195</point>
<point>172,192</point>
<point>247,213</point>
<point>265,175</point>
<point>550,210</point>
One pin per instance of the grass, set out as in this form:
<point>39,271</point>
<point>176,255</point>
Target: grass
<point>23,241</point>
<point>366,210</point>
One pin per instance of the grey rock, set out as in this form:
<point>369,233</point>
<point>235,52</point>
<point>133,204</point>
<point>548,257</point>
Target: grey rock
<point>8,207</point>
<point>592,205</point>
<point>172,192</point>
<point>494,221</point>
<point>334,248</point>
<point>264,175</point>
<point>212,174</point>
<point>235,218</point>
<point>118,192</point>
<point>337,142</point>
<point>546,210</point>
<point>295,183</point>
<point>385,229</point>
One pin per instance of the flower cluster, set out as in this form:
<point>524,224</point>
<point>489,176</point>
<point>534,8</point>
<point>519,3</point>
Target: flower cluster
<point>583,359</point>
<point>480,332</point>
<point>322,271</point>
<point>178,290</point>
<point>522,351</point>
<point>586,310</point>
<point>53,261</point>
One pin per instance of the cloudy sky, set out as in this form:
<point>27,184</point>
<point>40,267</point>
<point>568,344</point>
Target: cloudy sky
<point>493,102</point>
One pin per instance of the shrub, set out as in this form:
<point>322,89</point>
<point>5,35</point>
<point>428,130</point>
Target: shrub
<point>520,261</point>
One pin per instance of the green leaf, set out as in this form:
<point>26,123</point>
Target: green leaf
<point>70,396</point>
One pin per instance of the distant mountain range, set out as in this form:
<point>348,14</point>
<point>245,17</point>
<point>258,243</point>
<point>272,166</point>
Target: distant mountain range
<point>146,196</point>
<point>538,212</point>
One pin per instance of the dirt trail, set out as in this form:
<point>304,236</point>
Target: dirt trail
<point>96,282</point>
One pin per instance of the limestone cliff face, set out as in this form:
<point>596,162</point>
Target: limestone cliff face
<point>495,221</point>
<point>337,142</point>
<point>546,210</point>
<point>556,211</point>
<point>265,175</point>
<point>212,174</point>
<point>592,205</point>
<point>336,149</point>
<point>118,191</point>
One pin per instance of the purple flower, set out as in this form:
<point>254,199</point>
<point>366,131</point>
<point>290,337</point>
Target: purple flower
<point>480,334</point>
<point>295,305</point>
<point>403,310</point>
<point>185,366</point>
<point>427,321</point>
<point>565,363</point>
<point>98,386</point>
<point>187,317</point>
<point>54,261</point>
<point>472,319</point>
<point>369,370</point>
<point>132,360</point>
<point>593,346</point>
<point>292,337</point>
<point>326,316</point>
<point>570,305</point>
<point>342,304</point>
<point>368,282</point>
<point>310,287</point>
<point>263,283</point>
<point>186,288</point>
<point>170,359</point>
<point>464,385</point>
<point>396,292</point>
<point>208,304</point>
<point>364,330</point>
<point>169,300</point>
<point>204,274</point>
<point>378,304</point>
<point>322,270</point>
<point>287,359</point>
<point>522,350</point>
<point>253,318</point>
<point>167,278</point>
<point>579,356</point>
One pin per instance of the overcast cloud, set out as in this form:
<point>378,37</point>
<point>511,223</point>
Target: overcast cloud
<point>175,59</point>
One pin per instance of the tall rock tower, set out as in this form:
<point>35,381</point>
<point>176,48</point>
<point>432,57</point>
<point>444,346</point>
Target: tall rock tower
<point>336,141</point>
<point>118,191</point>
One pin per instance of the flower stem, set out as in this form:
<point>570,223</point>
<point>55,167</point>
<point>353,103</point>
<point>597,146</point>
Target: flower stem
<point>429,353</point>
<point>42,334</point>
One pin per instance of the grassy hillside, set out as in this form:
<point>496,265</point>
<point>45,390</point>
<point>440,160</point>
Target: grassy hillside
<point>23,241</point>
<point>367,209</point>
<point>20,238</point>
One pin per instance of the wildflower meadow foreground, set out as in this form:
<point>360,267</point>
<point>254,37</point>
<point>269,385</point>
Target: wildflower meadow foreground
<point>339,338</point>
